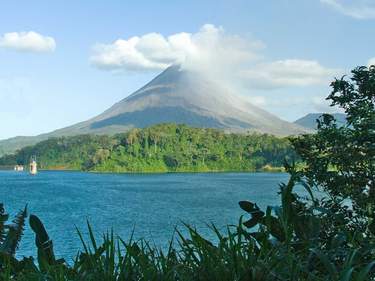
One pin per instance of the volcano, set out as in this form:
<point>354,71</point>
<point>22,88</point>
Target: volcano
<point>184,97</point>
<point>176,96</point>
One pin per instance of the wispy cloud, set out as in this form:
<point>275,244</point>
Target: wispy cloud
<point>371,61</point>
<point>27,42</point>
<point>289,72</point>
<point>214,52</point>
<point>359,9</point>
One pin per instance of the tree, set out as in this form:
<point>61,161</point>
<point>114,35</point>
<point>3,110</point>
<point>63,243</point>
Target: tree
<point>132,136</point>
<point>341,159</point>
<point>171,161</point>
<point>100,156</point>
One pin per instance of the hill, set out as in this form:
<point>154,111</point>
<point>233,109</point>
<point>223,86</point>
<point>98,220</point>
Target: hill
<point>10,145</point>
<point>309,121</point>
<point>161,148</point>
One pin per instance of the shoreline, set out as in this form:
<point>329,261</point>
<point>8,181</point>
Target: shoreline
<point>271,171</point>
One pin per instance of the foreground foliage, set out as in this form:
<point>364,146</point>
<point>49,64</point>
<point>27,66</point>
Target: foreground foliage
<point>293,241</point>
<point>341,159</point>
<point>314,236</point>
<point>161,148</point>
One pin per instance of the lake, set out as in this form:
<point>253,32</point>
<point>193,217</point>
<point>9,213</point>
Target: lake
<point>150,204</point>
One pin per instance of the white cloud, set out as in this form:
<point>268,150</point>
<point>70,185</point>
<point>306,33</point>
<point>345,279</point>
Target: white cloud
<point>371,61</point>
<point>258,100</point>
<point>149,52</point>
<point>320,104</point>
<point>232,59</point>
<point>153,51</point>
<point>27,42</point>
<point>359,9</point>
<point>290,72</point>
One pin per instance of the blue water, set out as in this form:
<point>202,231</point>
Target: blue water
<point>150,204</point>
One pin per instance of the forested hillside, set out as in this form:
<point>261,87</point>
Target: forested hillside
<point>161,148</point>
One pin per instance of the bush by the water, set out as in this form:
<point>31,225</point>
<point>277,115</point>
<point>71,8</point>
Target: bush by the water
<point>330,237</point>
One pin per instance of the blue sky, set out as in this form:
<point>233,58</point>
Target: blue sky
<point>62,62</point>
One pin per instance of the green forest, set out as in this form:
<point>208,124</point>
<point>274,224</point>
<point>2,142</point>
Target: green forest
<point>161,148</point>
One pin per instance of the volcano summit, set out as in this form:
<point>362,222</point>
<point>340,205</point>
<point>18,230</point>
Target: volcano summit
<point>174,96</point>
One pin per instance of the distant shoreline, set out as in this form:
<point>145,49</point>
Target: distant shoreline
<point>266,170</point>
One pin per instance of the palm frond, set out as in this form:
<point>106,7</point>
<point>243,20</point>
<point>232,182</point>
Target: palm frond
<point>44,244</point>
<point>3,218</point>
<point>14,233</point>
